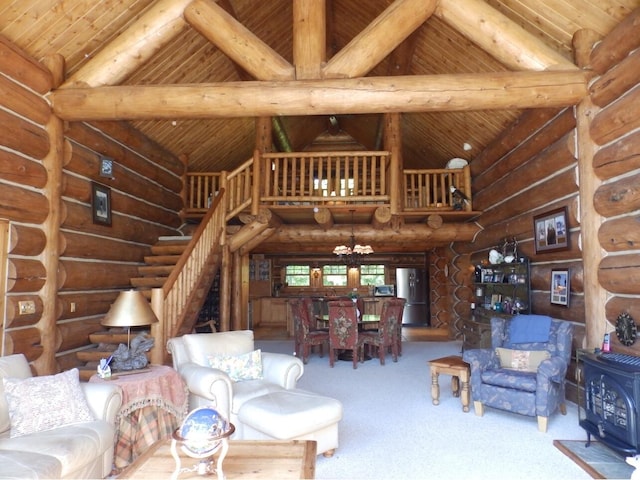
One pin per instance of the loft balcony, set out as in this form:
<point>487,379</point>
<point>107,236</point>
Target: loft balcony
<point>307,187</point>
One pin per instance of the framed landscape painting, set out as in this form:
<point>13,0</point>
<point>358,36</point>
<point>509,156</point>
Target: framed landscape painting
<point>551,232</point>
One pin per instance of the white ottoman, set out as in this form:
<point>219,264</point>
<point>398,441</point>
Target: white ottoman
<point>293,415</point>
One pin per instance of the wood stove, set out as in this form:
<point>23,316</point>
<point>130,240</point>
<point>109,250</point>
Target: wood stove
<point>611,397</point>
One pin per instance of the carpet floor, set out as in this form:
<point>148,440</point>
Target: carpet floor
<point>390,428</point>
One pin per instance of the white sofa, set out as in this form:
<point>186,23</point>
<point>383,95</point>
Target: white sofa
<point>78,450</point>
<point>259,408</point>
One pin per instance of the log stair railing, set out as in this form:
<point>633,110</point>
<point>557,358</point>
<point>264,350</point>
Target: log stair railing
<point>184,268</point>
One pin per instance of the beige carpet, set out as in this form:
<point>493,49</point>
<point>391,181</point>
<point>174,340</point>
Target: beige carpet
<point>597,460</point>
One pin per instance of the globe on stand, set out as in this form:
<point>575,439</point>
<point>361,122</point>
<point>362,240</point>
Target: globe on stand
<point>202,434</point>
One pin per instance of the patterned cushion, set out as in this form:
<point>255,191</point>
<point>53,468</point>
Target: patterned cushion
<point>512,379</point>
<point>523,360</point>
<point>247,366</point>
<point>43,403</point>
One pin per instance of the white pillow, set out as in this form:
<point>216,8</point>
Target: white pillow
<point>523,360</point>
<point>43,403</point>
<point>246,366</point>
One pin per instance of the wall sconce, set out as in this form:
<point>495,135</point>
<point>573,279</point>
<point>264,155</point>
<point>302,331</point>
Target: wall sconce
<point>315,272</point>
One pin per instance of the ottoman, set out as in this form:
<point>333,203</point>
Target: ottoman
<point>293,415</point>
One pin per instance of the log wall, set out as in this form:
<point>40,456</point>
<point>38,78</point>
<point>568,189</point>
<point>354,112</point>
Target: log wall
<point>92,262</point>
<point>533,168</point>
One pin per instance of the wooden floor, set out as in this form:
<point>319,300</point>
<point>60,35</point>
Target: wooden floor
<point>409,334</point>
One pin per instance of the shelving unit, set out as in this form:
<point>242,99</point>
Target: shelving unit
<point>503,290</point>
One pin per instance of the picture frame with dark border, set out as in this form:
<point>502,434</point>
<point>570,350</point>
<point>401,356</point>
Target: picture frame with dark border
<point>101,204</point>
<point>550,230</point>
<point>560,287</point>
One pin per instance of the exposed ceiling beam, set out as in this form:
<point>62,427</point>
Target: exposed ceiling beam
<point>499,36</point>
<point>463,92</point>
<point>237,41</point>
<point>128,51</point>
<point>379,38</point>
<point>309,38</point>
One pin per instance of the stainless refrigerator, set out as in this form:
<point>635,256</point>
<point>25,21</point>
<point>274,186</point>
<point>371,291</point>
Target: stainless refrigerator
<point>412,284</point>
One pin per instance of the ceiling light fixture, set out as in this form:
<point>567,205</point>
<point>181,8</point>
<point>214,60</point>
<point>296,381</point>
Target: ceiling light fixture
<point>352,255</point>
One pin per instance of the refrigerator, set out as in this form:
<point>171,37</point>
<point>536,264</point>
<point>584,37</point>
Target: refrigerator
<point>412,284</point>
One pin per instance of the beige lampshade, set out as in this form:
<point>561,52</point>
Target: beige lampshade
<point>130,309</point>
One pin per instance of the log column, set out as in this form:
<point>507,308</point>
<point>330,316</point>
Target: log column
<point>595,296</point>
<point>50,339</point>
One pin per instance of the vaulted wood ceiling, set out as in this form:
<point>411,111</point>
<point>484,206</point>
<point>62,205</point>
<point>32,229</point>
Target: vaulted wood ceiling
<point>79,29</point>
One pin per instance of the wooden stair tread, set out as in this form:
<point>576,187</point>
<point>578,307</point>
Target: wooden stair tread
<point>161,259</point>
<point>148,281</point>
<point>168,249</point>
<point>155,270</point>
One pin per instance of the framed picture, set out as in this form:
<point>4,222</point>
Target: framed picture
<point>560,287</point>
<point>101,204</point>
<point>551,232</point>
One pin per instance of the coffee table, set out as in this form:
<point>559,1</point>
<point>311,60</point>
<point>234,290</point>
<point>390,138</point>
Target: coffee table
<point>247,459</point>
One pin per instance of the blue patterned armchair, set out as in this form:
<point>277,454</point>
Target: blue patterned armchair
<point>524,371</point>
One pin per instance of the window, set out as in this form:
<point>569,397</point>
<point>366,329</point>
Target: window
<point>334,276</point>
<point>298,275</point>
<point>372,275</point>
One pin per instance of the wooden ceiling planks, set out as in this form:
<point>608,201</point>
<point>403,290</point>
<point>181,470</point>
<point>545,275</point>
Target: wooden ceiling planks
<point>77,29</point>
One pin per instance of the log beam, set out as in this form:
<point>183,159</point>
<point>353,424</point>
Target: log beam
<point>309,38</point>
<point>500,37</point>
<point>379,38</point>
<point>323,217</point>
<point>237,42</point>
<point>381,217</point>
<point>313,239</point>
<point>420,93</point>
<point>133,47</point>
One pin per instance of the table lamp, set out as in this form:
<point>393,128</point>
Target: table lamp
<point>131,309</point>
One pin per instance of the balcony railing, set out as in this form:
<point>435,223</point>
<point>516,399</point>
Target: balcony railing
<point>326,178</point>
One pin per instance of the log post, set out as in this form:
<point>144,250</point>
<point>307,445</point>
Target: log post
<point>309,38</point>
<point>393,143</point>
<point>158,330</point>
<point>595,296</point>
<point>225,289</point>
<point>236,291</point>
<point>46,363</point>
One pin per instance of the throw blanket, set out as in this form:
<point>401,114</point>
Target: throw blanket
<point>529,328</point>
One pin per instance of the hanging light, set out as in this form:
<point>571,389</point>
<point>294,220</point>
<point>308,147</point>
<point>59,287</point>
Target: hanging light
<point>352,255</point>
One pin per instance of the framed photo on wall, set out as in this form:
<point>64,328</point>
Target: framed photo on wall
<point>101,204</point>
<point>560,287</point>
<point>551,232</point>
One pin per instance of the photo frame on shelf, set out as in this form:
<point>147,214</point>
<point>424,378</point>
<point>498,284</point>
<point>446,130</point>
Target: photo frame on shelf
<point>550,231</point>
<point>560,287</point>
<point>101,204</point>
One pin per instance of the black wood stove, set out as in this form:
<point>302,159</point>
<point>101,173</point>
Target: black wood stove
<point>611,394</point>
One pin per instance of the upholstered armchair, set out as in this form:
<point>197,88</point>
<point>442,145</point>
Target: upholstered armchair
<point>193,355</point>
<point>524,371</point>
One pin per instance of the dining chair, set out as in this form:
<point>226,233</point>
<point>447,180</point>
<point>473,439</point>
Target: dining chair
<point>306,336</point>
<point>386,336</point>
<point>343,330</point>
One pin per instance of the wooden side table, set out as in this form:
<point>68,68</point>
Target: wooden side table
<point>459,371</point>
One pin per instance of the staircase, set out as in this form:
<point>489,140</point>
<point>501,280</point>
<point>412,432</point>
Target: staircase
<point>158,266</point>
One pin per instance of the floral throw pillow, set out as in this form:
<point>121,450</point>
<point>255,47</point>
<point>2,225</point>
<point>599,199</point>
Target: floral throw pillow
<point>246,366</point>
<point>523,360</point>
<point>43,403</point>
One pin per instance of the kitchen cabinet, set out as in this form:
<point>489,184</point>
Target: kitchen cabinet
<point>272,312</point>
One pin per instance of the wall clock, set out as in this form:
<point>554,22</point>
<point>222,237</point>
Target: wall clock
<point>626,329</point>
